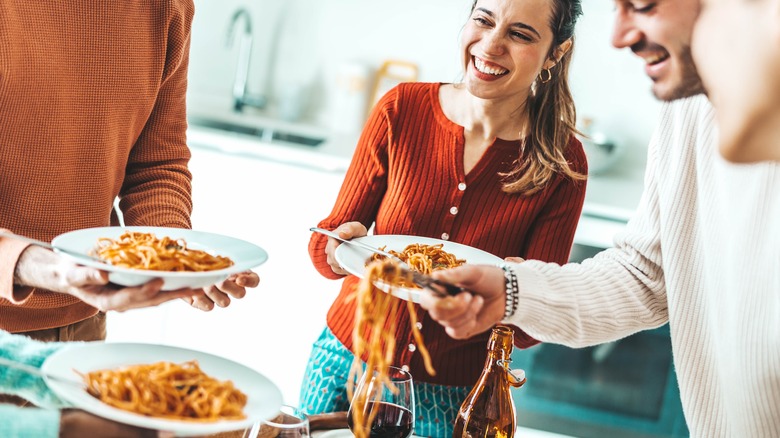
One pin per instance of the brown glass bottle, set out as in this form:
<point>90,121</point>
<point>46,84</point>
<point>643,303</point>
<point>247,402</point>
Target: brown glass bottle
<point>489,411</point>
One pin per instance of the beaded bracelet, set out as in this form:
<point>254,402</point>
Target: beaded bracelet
<point>512,291</point>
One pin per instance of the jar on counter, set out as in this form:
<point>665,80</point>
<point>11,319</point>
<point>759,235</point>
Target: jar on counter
<point>350,98</point>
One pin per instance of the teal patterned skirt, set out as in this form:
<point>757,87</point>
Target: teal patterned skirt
<point>324,389</point>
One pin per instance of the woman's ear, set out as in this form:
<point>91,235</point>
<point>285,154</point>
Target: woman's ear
<point>561,50</point>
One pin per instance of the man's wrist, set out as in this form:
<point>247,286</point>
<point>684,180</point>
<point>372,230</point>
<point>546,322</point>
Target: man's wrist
<point>28,265</point>
<point>37,268</point>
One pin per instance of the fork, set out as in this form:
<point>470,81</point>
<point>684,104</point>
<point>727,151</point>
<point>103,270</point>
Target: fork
<point>48,245</point>
<point>361,245</point>
<point>37,372</point>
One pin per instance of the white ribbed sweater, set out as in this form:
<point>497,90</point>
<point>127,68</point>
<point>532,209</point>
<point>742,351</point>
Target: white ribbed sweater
<point>703,253</point>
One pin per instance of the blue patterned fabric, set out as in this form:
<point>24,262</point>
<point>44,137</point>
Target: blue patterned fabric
<point>325,380</point>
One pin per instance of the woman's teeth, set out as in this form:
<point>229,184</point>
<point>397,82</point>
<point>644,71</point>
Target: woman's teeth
<point>483,68</point>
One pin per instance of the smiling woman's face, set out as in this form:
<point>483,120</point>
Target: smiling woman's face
<point>736,48</point>
<point>505,45</point>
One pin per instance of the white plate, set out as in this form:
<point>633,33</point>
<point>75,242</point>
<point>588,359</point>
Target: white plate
<point>353,259</point>
<point>245,255</point>
<point>264,398</point>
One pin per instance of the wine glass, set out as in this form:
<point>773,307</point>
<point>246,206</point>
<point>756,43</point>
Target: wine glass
<point>290,422</point>
<point>389,407</point>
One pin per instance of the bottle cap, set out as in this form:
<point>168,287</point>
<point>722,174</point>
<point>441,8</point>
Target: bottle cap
<point>515,377</point>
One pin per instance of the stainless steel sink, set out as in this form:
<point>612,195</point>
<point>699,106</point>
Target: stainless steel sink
<point>263,133</point>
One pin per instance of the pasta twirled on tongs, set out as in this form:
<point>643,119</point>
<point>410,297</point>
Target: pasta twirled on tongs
<point>423,258</point>
<point>374,336</point>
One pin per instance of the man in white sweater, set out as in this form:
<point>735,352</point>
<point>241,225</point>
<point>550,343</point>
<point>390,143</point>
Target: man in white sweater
<point>701,253</point>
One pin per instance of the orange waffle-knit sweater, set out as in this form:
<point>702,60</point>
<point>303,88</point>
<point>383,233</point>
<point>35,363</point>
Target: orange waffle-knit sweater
<point>407,176</point>
<point>92,106</point>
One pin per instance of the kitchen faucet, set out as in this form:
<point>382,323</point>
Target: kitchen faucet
<point>241,97</point>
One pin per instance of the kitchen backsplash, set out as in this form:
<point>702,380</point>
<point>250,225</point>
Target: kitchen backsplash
<point>300,46</point>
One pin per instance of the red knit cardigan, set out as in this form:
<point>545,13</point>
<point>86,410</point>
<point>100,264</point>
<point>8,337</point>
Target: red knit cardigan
<point>407,177</point>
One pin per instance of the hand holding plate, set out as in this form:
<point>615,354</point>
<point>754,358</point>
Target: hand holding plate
<point>41,268</point>
<point>345,232</point>
<point>221,293</point>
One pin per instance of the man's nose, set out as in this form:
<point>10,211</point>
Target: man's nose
<point>625,33</point>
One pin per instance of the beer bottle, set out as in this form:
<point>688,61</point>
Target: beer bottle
<point>489,411</point>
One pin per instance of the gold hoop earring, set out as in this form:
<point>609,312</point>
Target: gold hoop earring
<point>541,75</point>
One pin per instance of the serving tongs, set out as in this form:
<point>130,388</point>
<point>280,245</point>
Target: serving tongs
<point>48,245</point>
<point>437,287</point>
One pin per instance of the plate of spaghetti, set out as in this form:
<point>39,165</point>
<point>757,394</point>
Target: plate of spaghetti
<point>182,258</point>
<point>422,254</point>
<point>159,387</point>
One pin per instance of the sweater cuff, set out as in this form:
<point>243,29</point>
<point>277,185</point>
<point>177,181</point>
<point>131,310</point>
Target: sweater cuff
<point>533,302</point>
<point>10,250</point>
<point>18,422</point>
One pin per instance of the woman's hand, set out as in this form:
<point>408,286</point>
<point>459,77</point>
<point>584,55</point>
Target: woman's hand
<point>220,294</point>
<point>77,424</point>
<point>42,268</point>
<point>347,230</point>
<point>468,314</point>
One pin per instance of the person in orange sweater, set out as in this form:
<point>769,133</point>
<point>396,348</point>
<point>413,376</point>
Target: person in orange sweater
<point>491,162</point>
<point>92,108</point>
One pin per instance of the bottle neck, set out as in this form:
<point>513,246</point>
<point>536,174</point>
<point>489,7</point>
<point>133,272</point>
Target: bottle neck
<point>495,359</point>
<point>499,347</point>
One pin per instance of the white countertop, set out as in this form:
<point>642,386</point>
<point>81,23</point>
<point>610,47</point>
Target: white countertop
<point>333,155</point>
<point>610,201</point>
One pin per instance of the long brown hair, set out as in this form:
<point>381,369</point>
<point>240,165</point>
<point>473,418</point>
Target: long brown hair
<point>552,116</point>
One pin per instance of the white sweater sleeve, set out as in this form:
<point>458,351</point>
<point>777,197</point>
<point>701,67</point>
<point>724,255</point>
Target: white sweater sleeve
<point>713,226</point>
<point>617,293</point>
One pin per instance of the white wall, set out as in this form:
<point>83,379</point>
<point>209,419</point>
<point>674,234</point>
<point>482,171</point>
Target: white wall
<point>317,36</point>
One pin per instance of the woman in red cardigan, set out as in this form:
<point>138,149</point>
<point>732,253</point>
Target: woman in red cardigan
<point>491,162</point>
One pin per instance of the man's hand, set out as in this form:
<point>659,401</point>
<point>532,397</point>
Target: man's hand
<point>468,314</point>
<point>220,294</point>
<point>40,268</point>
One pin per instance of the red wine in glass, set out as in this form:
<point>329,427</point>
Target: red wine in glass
<point>391,421</point>
<point>389,403</point>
